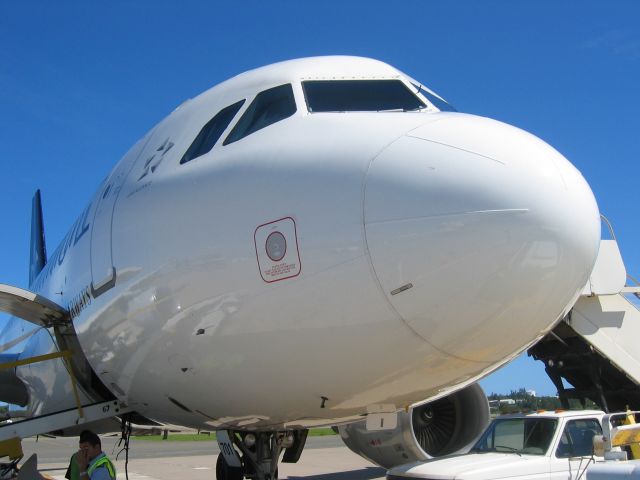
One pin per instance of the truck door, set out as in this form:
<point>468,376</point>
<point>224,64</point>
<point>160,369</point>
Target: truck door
<point>575,449</point>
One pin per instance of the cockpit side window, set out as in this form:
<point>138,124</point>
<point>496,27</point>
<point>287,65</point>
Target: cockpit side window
<point>359,96</point>
<point>269,106</point>
<point>211,132</point>
<point>439,103</point>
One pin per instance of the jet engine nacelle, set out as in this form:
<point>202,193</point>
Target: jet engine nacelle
<point>442,427</point>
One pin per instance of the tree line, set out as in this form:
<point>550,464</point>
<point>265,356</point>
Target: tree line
<point>524,401</point>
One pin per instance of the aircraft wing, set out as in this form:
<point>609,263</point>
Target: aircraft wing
<point>31,307</point>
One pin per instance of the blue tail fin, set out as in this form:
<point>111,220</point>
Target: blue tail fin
<point>38,247</point>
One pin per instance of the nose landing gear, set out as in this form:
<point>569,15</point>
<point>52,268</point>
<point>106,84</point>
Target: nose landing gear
<point>260,453</point>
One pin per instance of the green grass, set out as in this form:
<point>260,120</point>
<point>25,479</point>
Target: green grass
<point>204,437</point>
<point>321,432</point>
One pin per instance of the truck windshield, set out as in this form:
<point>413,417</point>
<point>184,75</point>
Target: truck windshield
<point>531,436</point>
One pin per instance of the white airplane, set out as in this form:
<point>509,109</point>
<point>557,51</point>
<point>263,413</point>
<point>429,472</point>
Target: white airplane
<point>305,244</point>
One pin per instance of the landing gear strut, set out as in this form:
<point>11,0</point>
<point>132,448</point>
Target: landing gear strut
<point>260,453</point>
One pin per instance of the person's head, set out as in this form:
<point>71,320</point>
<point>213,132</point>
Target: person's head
<point>90,442</point>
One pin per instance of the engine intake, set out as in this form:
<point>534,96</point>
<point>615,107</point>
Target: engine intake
<point>442,427</point>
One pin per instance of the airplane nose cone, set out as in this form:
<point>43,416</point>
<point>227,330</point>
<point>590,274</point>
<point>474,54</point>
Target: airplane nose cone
<point>480,235</point>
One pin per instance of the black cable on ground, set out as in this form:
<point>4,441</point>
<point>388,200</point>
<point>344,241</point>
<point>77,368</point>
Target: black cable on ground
<point>124,439</point>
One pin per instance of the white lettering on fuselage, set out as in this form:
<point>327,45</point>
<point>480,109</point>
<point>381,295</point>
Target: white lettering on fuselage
<point>77,231</point>
<point>79,302</point>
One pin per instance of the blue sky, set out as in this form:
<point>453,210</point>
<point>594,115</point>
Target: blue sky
<point>80,82</point>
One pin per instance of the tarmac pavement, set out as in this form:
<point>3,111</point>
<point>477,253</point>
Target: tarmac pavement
<point>324,458</point>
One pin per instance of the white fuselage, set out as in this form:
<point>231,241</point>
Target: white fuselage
<point>484,234</point>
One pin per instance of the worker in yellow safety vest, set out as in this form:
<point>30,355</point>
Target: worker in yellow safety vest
<point>92,463</point>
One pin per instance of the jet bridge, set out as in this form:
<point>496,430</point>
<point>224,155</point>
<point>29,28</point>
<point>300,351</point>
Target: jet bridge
<point>596,348</point>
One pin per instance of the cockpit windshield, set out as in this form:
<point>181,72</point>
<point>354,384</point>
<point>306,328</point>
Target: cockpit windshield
<point>359,96</point>
<point>531,436</point>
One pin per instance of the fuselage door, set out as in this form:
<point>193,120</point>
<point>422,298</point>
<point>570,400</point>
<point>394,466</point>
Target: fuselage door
<point>103,272</point>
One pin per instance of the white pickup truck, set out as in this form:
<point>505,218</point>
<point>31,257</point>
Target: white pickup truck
<point>544,445</point>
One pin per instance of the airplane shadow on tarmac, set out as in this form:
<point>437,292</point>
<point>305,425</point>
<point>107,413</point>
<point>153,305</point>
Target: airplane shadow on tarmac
<point>366,473</point>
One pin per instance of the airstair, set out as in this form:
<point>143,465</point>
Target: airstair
<point>596,347</point>
<point>45,313</point>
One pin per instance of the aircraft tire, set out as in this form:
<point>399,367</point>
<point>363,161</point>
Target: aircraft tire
<point>225,472</point>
